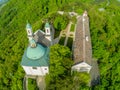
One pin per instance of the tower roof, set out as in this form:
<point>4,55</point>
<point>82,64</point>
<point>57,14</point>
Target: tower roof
<point>47,25</point>
<point>28,26</point>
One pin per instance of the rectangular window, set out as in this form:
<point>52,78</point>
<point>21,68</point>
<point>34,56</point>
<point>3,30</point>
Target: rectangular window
<point>34,67</point>
<point>45,68</point>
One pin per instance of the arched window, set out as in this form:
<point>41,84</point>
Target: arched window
<point>47,31</point>
<point>28,31</point>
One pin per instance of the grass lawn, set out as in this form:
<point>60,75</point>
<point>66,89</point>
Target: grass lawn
<point>57,33</point>
<point>62,40</point>
<point>70,42</point>
<point>72,28</point>
<point>32,85</point>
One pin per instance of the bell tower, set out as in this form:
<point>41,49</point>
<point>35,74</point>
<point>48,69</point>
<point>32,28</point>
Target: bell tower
<point>29,31</point>
<point>47,31</point>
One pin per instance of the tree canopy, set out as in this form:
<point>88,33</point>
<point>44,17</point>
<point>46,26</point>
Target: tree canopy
<point>105,33</point>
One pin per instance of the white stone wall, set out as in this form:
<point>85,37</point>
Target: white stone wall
<point>81,67</point>
<point>41,71</point>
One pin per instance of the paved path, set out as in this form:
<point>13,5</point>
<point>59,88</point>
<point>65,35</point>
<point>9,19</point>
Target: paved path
<point>41,82</point>
<point>25,83</point>
<point>67,34</point>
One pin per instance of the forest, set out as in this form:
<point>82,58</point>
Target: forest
<point>104,16</point>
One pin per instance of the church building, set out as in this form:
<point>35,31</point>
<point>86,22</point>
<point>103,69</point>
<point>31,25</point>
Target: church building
<point>82,48</point>
<point>35,60</point>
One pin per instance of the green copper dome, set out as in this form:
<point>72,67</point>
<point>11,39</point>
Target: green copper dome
<point>47,25</point>
<point>36,52</point>
<point>28,26</point>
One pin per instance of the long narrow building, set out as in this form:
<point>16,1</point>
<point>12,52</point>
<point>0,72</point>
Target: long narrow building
<point>82,49</point>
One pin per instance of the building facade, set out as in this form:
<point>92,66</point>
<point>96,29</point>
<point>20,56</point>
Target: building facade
<point>35,60</point>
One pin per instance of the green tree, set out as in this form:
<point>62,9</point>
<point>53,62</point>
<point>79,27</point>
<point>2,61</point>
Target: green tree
<point>60,65</point>
<point>60,22</point>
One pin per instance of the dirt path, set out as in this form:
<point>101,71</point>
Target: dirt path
<point>25,83</point>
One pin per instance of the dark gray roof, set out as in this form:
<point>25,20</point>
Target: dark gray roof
<point>52,30</point>
<point>78,50</point>
<point>40,38</point>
